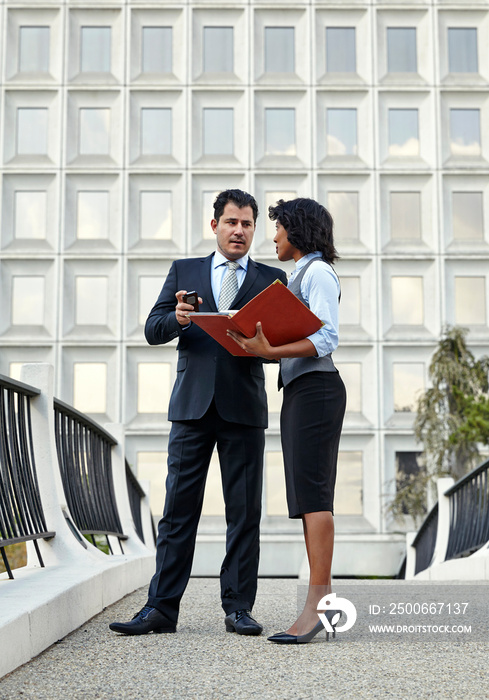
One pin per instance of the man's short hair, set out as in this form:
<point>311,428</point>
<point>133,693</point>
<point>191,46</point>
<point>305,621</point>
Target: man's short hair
<point>238,197</point>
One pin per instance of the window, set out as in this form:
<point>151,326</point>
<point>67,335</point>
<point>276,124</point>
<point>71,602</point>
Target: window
<point>27,301</point>
<point>408,466</point>
<point>470,300</point>
<point>91,294</point>
<point>94,131</point>
<point>276,500</point>
<point>34,49</point>
<point>341,50</point>
<point>401,50</point>
<point>274,396</point>
<point>462,50</point>
<point>153,375</point>
<point>90,387</point>
<point>95,49</point>
<point>467,216</point>
<point>30,216</point>
<point>92,215</point>
<point>32,131</point>
<point>465,139</point>
<point>341,129</point>
<point>149,290</point>
<point>349,484</point>
<point>405,213</point>
<point>156,50</point>
<point>218,131</point>
<point>343,207</point>
<point>279,50</point>
<point>280,132</point>
<point>150,466</point>
<point>218,50</point>
<point>350,301</point>
<point>208,199</point>
<point>407,301</point>
<point>271,199</point>
<point>351,373</point>
<point>156,132</point>
<point>403,132</point>
<point>213,500</point>
<point>155,215</point>
<point>408,384</point>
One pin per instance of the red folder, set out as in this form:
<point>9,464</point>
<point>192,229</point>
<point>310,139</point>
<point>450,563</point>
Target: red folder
<point>283,316</point>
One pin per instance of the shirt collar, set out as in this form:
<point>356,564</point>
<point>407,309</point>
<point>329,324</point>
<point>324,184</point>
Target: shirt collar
<point>219,260</point>
<point>306,258</point>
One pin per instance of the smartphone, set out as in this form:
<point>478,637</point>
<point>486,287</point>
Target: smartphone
<point>191,298</point>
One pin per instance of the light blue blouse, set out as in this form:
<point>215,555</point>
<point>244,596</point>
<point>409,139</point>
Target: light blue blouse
<point>320,287</point>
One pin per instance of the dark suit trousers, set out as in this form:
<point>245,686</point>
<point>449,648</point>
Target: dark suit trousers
<point>190,447</point>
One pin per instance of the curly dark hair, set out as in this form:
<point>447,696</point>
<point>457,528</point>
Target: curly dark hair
<point>238,197</point>
<point>308,224</point>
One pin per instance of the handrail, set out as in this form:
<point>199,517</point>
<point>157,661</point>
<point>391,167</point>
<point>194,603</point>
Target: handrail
<point>136,494</point>
<point>469,513</point>
<point>21,512</point>
<point>425,540</point>
<point>84,456</point>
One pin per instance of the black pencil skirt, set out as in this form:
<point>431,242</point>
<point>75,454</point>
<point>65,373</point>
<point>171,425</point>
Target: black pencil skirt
<point>312,416</point>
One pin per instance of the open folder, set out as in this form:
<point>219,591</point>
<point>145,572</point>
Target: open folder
<point>283,316</point>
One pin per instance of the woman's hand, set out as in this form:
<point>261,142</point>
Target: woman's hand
<point>258,345</point>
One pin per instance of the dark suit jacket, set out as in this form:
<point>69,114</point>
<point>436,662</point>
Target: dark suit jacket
<point>205,370</point>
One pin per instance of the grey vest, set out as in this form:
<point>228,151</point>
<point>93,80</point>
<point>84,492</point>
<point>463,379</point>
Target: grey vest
<point>293,367</point>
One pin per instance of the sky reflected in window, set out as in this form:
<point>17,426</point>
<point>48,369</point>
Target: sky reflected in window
<point>341,50</point>
<point>218,131</point>
<point>403,133</point>
<point>280,132</point>
<point>156,215</point>
<point>407,301</point>
<point>95,49</point>
<point>467,216</point>
<point>34,49</point>
<point>401,50</point>
<point>341,132</point>
<point>465,132</point>
<point>218,50</point>
<point>156,54</point>
<point>279,50</point>
<point>94,131</point>
<point>462,50</point>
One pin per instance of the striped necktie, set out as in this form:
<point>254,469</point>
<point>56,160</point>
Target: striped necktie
<point>229,287</point>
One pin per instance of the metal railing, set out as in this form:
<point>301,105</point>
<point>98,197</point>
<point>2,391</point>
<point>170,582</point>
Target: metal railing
<point>469,513</point>
<point>425,541</point>
<point>136,494</point>
<point>21,512</point>
<point>84,456</point>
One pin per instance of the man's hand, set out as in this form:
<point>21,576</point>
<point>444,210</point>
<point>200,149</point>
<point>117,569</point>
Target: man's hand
<point>258,345</point>
<point>182,309</point>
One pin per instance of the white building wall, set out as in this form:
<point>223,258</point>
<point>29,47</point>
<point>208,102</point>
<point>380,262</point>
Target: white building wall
<point>119,123</point>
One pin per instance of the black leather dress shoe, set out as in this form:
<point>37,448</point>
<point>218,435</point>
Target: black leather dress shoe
<point>148,619</point>
<point>241,622</point>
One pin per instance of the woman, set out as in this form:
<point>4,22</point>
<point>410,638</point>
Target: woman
<point>314,395</point>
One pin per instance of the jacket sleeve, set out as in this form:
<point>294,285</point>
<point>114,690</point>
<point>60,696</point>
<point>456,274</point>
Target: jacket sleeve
<point>162,325</point>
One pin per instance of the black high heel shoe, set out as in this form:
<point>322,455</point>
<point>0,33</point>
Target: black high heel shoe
<point>284,638</point>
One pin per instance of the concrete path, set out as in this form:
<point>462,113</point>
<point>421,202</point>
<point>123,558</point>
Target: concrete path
<point>203,661</point>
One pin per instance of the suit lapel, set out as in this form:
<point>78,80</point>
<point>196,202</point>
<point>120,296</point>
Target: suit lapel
<point>205,289</point>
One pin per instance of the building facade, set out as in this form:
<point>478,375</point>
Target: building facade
<point>119,123</point>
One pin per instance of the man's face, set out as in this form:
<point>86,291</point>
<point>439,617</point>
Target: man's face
<point>234,231</point>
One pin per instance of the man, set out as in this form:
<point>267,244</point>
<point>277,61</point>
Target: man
<point>217,399</point>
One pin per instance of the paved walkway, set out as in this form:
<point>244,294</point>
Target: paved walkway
<point>203,661</point>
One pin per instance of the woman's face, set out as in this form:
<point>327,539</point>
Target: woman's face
<point>283,247</point>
